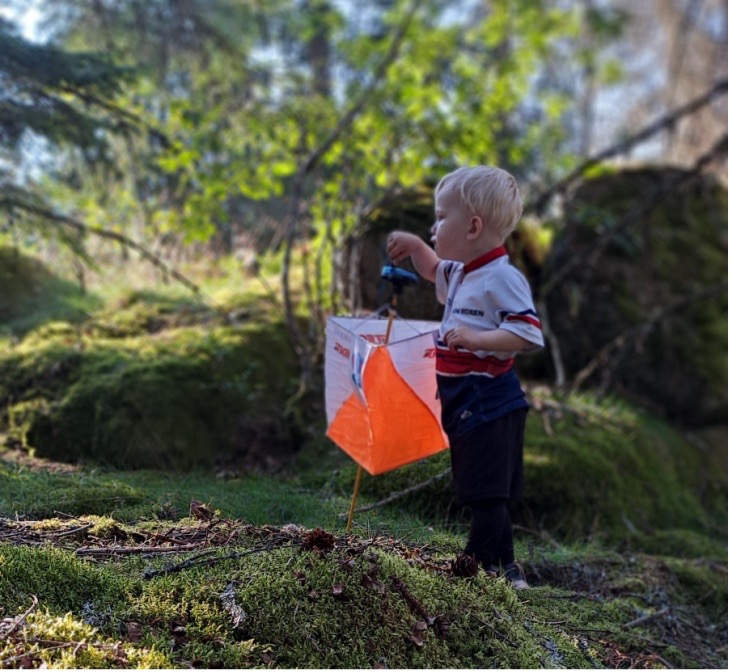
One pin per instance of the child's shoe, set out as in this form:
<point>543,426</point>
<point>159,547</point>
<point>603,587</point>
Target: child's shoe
<point>514,573</point>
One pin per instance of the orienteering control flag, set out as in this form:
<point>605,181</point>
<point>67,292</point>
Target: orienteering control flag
<point>381,398</point>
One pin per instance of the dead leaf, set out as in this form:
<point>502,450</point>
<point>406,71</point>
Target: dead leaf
<point>419,633</point>
<point>338,590</point>
<point>200,511</point>
<point>134,631</point>
<point>348,565</point>
<point>369,582</point>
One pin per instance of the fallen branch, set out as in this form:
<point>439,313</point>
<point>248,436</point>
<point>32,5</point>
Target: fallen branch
<point>643,619</point>
<point>133,550</point>
<point>200,561</point>
<point>73,530</point>
<point>399,495</point>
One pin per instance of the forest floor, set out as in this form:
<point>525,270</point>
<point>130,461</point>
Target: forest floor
<point>204,590</point>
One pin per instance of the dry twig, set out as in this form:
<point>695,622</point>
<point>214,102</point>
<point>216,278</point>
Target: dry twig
<point>20,620</point>
<point>394,496</point>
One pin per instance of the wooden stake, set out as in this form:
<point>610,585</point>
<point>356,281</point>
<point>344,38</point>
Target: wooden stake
<point>357,485</point>
<point>359,468</point>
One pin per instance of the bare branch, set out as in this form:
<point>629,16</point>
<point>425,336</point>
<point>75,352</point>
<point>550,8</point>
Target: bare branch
<point>643,208</point>
<point>642,330</point>
<point>665,122</point>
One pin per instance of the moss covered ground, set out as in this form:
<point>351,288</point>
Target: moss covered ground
<point>160,506</point>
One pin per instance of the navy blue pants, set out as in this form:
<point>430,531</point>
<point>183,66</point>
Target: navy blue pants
<point>488,472</point>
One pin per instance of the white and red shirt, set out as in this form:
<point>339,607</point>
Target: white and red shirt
<point>487,293</point>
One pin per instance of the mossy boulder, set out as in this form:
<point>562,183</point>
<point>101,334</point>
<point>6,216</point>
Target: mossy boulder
<point>31,294</point>
<point>132,388</point>
<point>197,398</point>
<point>673,259</point>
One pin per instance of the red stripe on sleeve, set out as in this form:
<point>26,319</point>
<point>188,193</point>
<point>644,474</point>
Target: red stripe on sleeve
<point>524,318</point>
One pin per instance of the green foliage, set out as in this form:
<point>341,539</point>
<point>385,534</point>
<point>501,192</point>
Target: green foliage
<point>258,89</point>
<point>46,86</point>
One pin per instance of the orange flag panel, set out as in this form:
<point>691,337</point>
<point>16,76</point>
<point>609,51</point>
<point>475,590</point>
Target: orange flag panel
<point>393,428</point>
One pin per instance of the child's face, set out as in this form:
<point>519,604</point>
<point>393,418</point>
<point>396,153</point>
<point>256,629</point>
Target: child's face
<point>452,224</point>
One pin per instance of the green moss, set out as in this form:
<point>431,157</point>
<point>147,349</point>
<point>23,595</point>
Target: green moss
<point>32,295</point>
<point>190,398</point>
<point>368,602</point>
<point>59,580</point>
<point>62,642</point>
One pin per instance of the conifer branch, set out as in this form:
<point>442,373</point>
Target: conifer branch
<point>9,203</point>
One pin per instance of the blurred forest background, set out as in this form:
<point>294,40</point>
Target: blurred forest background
<point>275,143</point>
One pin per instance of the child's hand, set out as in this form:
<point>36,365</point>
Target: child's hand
<point>401,245</point>
<point>462,337</point>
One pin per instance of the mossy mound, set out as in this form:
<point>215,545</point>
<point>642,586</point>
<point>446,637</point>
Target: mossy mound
<point>273,597</point>
<point>676,365</point>
<point>185,397</point>
<point>31,294</point>
<point>593,469</point>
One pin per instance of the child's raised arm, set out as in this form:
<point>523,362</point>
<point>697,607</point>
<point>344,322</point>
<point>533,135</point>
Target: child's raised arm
<point>401,244</point>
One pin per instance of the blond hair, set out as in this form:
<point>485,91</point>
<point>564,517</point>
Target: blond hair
<point>489,192</point>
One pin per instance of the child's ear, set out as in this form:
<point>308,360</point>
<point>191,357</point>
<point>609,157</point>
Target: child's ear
<point>476,226</point>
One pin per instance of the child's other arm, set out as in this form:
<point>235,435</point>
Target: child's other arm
<point>401,245</point>
<point>496,340</point>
